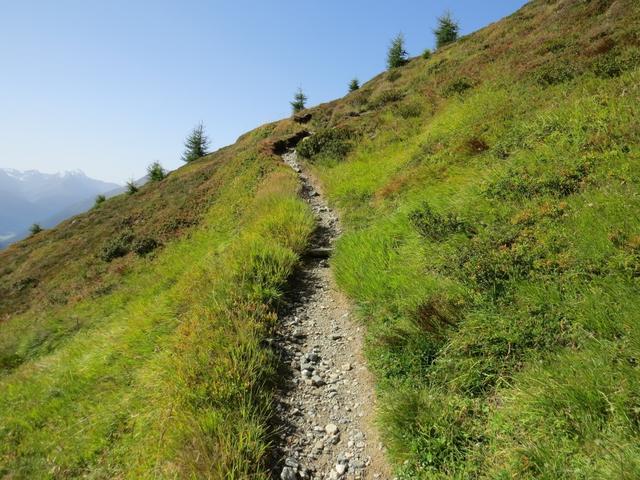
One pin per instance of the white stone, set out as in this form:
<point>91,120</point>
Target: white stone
<point>331,429</point>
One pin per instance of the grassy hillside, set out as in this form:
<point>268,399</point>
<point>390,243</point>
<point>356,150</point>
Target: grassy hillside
<point>164,374</point>
<point>493,212</point>
<point>490,201</point>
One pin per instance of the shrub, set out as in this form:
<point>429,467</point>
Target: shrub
<point>447,30</point>
<point>146,245</point>
<point>437,66</point>
<point>436,227</point>
<point>522,183</point>
<point>100,199</point>
<point>354,85</point>
<point>35,229</point>
<point>196,144</point>
<point>393,75</point>
<point>555,73</point>
<point>426,54</point>
<point>409,110</point>
<point>504,253</point>
<point>155,172</point>
<point>554,46</point>
<point>299,101</point>
<point>397,55</point>
<point>131,187</point>
<point>385,97</point>
<point>615,64</point>
<point>25,283</point>
<point>116,247</point>
<point>360,99</point>
<point>331,143</point>
<point>457,87</point>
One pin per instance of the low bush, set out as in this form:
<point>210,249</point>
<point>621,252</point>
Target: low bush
<point>409,109</point>
<point>385,97</point>
<point>116,247</point>
<point>332,143</point>
<point>25,283</point>
<point>615,63</point>
<point>524,183</point>
<point>144,246</point>
<point>554,73</point>
<point>393,75</point>
<point>457,87</point>
<point>437,227</point>
<point>555,45</point>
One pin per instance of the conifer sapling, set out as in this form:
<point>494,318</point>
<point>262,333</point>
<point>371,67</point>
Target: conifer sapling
<point>447,31</point>
<point>196,144</point>
<point>131,187</point>
<point>354,85</point>
<point>299,101</point>
<point>397,55</point>
<point>156,172</point>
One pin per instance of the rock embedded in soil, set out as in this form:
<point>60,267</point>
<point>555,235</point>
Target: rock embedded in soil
<point>331,429</point>
<point>288,473</point>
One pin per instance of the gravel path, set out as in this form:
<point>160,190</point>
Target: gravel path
<point>326,402</point>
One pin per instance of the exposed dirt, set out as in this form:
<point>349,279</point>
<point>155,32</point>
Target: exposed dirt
<point>326,401</point>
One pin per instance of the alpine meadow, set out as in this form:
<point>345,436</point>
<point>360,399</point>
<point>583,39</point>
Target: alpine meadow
<point>470,217</point>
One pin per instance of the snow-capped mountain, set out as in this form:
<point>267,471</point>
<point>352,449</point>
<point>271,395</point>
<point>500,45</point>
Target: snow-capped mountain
<point>28,197</point>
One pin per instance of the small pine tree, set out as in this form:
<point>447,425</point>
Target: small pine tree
<point>426,54</point>
<point>397,55</point>
<point>100,199</point>
<point>299,100</point>
<point>156,172</point>
<point>447,31</point>
<point>131,187</point>
<point>354,85</point>
<point>196,144</point>
<point>35,229</point>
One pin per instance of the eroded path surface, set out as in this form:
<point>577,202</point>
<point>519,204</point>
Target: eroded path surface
<point>326,402</point>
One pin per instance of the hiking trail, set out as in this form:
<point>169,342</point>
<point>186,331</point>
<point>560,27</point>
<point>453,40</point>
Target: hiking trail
<point>326,401</point>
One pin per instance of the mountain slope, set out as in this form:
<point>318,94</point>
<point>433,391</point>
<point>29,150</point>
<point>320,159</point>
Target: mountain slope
<point>489,197</point>
<point>147,364</point>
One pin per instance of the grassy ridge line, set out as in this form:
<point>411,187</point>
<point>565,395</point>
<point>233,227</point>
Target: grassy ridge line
<point>173,372</point>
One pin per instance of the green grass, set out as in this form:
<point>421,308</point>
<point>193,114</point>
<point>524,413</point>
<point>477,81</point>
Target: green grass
<point>490,199</point>
<point>491,246</point>
<point>169,376</point>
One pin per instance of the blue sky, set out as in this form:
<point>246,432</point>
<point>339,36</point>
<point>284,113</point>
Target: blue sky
<point>108,86</point>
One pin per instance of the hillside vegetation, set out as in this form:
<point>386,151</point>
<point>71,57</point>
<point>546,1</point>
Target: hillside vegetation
<point>489,195</point>
<point>160,371</point>
<point>493,212</point>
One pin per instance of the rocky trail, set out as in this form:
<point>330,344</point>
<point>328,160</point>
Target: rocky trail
<point>326,402</point>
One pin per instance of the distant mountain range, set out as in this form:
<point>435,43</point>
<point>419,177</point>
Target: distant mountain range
<point>34,197</point>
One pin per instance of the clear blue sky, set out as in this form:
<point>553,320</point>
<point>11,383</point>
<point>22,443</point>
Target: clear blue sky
<point>107,86</point>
